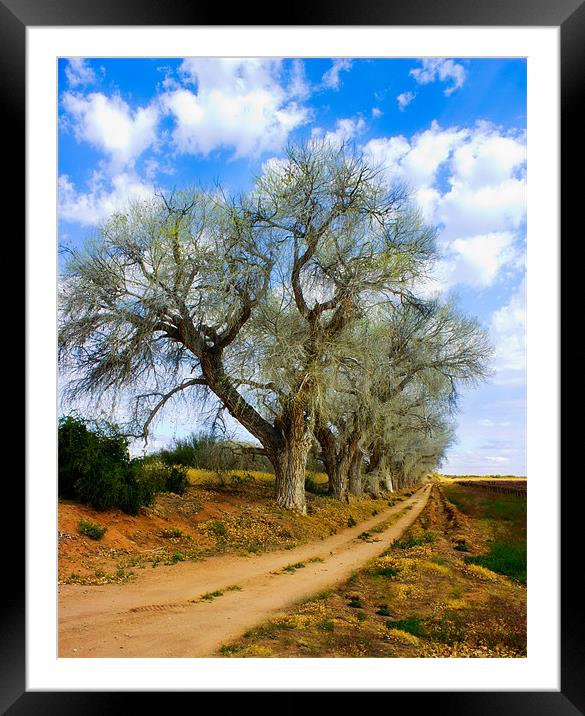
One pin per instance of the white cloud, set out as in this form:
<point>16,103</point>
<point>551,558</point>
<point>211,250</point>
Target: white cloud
<point>345,130</point>
<point>331,78</point>
<point>111,126</point>
<point>103,198</point>
<point>404,99</point>
<point>376,112</point>
<point>240,104</point>
<point>508,331</point>
<point>477,260</point>
<point>445,70</point>
<point>79,72</point>
<point>298,87</point>
<point>471,183</point>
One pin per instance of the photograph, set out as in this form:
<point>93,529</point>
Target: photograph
<point>293,355</point>
<point>292,393</point>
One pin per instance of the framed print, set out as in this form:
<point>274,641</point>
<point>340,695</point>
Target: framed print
<point>55,54</point>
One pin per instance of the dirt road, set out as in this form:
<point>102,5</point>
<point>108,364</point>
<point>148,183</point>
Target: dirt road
<point>158,614</point>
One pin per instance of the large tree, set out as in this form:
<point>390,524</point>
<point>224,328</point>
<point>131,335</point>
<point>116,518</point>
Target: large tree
<point>407,361</point>
<point>173,294</point>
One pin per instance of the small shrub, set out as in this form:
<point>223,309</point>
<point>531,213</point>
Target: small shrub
<point>91,529</point>
<point>172,533</point>
<point>177,557</point>
<point>412,625</point>
<point>355,603</point>
<point>229,649</point>
<point>461,546</point>
<point>176,480</point>
<point>351,521</point>
<point>218,528</point>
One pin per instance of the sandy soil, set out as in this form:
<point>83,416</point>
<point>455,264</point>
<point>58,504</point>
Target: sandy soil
<point>159,615</point>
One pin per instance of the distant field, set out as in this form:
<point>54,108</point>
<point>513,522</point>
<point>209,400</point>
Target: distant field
<point>482,477</point>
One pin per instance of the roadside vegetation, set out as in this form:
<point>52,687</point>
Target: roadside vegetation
<point>218,513</point>
<point>452,586</point>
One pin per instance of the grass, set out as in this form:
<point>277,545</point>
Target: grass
<point>412,625</point>
<point>507,558</point>
<point>210,596</point>
<point>91,529</point>
<point>426,537</point>
<point>505,518</point>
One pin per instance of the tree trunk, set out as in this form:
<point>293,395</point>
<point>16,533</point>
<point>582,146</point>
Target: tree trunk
<point>373,484</point>
<point>289,462</point>
<point>334,463</point>
<point>355,473</point>
<point>388,482</point>
<point>338,480</point>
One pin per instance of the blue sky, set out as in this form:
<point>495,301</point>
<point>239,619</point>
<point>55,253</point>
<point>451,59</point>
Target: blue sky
<point>453,129</point>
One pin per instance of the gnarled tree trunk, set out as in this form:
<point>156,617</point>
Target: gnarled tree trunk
<point>290,461</point>
<point>355,473</point>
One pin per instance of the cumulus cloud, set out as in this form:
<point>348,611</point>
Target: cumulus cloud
<point>110,125</point>
<point>404,99</point>
<point>442,69</point>
<point>79,72</point>
<point>102,198</point>
<point>240,104</point>
<point>471,183</point>
<point>331,78</point>
<point>345,130</point>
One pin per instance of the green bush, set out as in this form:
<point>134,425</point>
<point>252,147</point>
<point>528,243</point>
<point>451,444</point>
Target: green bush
<point>91,529</point>
<point>156,476</point>
<point>413,625</point>
<point>95,467</point>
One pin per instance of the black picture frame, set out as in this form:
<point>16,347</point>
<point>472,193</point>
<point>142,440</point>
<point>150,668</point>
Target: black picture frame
<point>569,15</point>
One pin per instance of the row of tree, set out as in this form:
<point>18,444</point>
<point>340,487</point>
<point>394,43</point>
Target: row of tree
<point>298,305</point>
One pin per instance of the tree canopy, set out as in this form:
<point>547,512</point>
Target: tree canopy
<point>298,305</point>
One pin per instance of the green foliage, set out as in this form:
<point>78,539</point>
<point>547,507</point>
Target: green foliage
<point>160,477</point>
<point>508,558</point>
<point>95,467</point>
<point>410,542</point>
<point>218,528</point>
<point>91,529</point>
<point>351,521</point>
<point>411,625</point>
